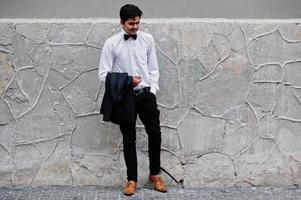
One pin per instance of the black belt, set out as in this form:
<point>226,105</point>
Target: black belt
<point>141,90</point>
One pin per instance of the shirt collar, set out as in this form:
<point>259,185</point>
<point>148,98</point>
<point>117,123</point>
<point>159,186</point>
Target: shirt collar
<point>123,32</point>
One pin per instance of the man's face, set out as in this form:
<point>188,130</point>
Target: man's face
<point>131,25</point>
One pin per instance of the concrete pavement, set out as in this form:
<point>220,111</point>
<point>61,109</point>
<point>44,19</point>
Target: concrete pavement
<point>111,193</point>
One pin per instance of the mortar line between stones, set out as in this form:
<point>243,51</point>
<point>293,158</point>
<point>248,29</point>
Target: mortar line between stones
<point>41,90</point>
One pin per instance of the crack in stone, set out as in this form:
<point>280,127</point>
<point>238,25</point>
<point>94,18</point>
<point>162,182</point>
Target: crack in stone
<point>249,40</point>
<point>70,105</point>
<point>5,149</point>
<point>217,64</point>
<point>71,139</point>
<point>296,97</point>
<point>208,116</point>
<point>76,77</point>
<point>23,36</point>
<point>243,151</point>
<point>101,155</point>
<point>42,140</point>
<point>246,46</point>
<point>164,54</point>
<point>88,32</point>
<point>45,160</point>
<point>27,97</point>
<point>263,161</point>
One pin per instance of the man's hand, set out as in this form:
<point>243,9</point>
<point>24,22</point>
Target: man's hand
<point>136,80</point>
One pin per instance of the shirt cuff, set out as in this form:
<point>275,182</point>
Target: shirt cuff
<point>153,90</point>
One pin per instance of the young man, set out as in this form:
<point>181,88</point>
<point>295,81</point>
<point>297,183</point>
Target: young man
<point>133,52</point>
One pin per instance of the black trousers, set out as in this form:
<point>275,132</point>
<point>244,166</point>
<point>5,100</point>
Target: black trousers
<point>146,108</point>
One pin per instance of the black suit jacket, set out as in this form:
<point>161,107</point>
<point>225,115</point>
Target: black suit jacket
<point>118,104</point>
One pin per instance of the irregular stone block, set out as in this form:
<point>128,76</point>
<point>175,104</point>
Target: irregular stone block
<point>36,32</point>
<point>262,97</point>
<point>101,170</point>
<point>268,73</point>
<point>288,102</point>
<point>5,114</point>
<point>56,168</point>
<point>190,73</point>
<point>172,164</point>
<point>32,87</point>
<point>289,139</point>
<point>83,94</point>
<point>195,132</point>
<point>68,33</point>
<point>253,30</point>
<point>100,32</point>
<point>226,87</point>
<point>272,48</point>
<point>295,170</point>
<point>101,138</point>
<point>168,41</point>
<point>6,70</point>
<point>169,82</point>
<point>210,58</point>
<point>291,73</point>
<point>6,167</point>
<point>291,31</point>
<point>7,33</point>
<point>15,97</point>
<point>238,40</point>
<point>260,163</point>
<point>171,140</point>
<point>222,45</point>
<point>70,61</point>
<point>240,130</point>
<point>25,166</point>
<point>268,127</point>
<point>172,116</point>
<point>22,51</point>
<point>210,170</point>
<point>196,37</point>
<point>223,28</point>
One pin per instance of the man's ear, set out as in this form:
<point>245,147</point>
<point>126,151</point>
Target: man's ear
<point>121,22</point>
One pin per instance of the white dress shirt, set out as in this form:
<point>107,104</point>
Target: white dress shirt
<point>136,57</point>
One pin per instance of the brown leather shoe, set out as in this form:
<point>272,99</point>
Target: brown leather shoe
<point>158,183</point>
<point>130,188</point>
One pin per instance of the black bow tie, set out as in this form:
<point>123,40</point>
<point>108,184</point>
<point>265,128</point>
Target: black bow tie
<point>126,36</point>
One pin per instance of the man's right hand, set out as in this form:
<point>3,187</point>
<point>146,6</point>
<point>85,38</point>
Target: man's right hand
<point>136,80</point>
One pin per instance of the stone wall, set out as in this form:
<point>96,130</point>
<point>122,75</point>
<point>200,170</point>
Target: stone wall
<point>230,103</point>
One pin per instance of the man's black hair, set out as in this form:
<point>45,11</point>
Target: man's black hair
<point>129,11</point>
